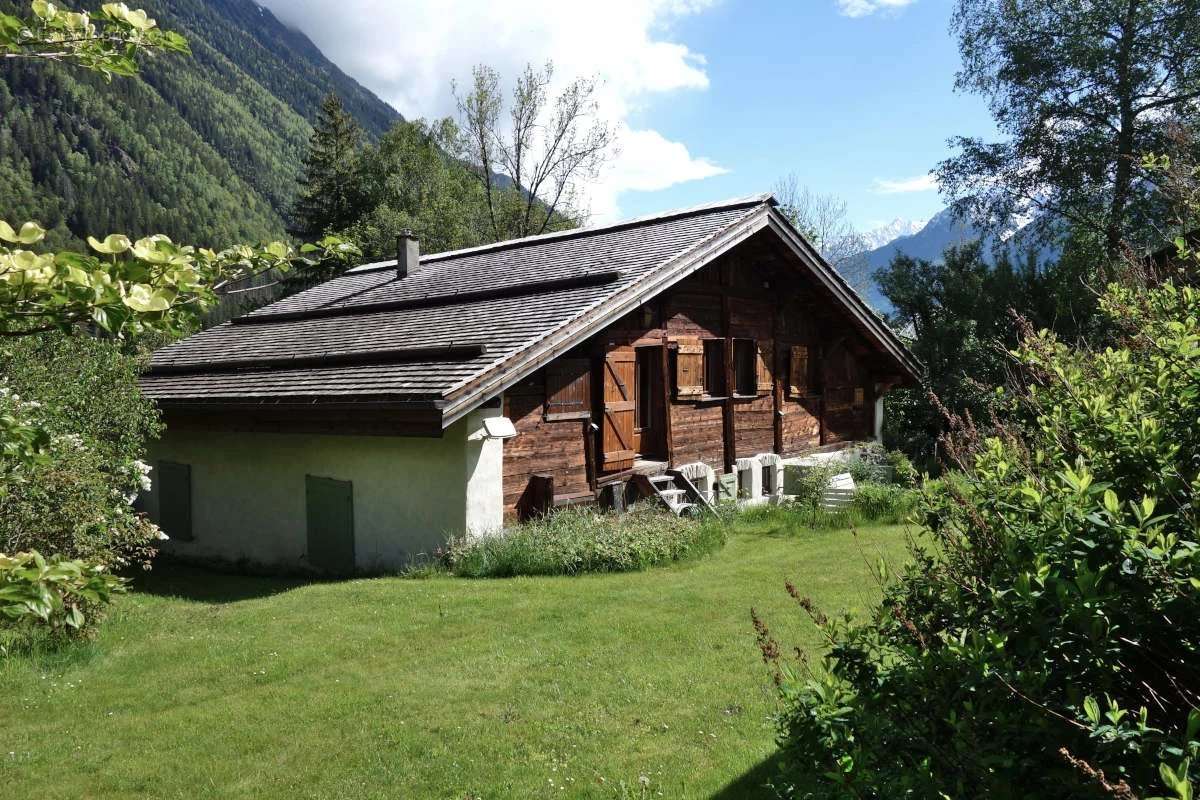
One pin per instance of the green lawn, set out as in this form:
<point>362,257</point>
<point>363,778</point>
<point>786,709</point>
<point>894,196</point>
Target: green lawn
<point>203,685</point>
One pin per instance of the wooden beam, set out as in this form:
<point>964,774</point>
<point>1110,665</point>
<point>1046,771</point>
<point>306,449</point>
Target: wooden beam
<point>396,355</point>
<point>729,427</point>
<point>668,439</point>
<point>433,300</point>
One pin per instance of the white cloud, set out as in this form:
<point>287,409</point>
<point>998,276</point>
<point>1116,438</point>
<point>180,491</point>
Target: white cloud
<point>865,8</point>
<point>409,51</point>
<point>921,183</point>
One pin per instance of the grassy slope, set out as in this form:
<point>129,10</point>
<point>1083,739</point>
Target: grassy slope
<point>572,687</point>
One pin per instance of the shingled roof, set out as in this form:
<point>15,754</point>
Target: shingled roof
<point>468,323</point>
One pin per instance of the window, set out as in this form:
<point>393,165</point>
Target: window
<point>568,389</point>
<point>745,368</point>
<point>859,396</point>
<point>714,367</point>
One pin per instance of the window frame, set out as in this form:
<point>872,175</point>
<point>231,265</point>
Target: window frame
<point>745,368</point>
<point>714,359</point>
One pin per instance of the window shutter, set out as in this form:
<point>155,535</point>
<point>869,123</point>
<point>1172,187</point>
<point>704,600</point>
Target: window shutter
<point>798,380</point>
<point>689,368</point>
<point>859,396</point>
<point>766,349</point>
<point>616,444</point>
<point>568,389</point>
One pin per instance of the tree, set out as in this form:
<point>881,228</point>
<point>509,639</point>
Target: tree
<point>1081,88</point>
<point>408,181</point>
<point>963,342</point>
<point>824,221</point>
<point>123,287</point>
<point>330,198</point>
<point>549,150</point>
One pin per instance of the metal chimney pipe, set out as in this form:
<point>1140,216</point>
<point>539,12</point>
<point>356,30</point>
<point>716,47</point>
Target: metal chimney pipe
<point>408,253</point>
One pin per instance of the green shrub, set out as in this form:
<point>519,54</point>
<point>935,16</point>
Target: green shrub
<point>903,471</point>
<point>81,395</point>
<point>886,503</point>
<point>53,596</point>
<point>574,541</point>
<point>1049,645</point>
<point>809,487</point>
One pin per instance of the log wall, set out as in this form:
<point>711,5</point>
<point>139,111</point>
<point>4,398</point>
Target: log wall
<point>750,293</point>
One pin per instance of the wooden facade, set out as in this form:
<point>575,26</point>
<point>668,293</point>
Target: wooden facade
<point>747,355</point>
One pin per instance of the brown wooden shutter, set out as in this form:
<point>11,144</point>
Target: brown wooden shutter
<point>616,446</point>
<point>798,378</point>
<point>568,389</point>
<point>689,368</point>
<point>766,350</point>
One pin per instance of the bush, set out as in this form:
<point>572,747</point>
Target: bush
<point>572,541</point>
<point>81,396</point>
<point>1052,645</point>
<point>810,487</point>
<point>879,502</point>
<point>903,471</point>
<point>54,596</point>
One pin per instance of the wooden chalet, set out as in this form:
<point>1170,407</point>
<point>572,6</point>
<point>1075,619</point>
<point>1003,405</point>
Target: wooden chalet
<point>353,425</point>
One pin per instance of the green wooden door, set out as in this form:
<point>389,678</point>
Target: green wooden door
<point>175,500</point>
<point>330,505</point>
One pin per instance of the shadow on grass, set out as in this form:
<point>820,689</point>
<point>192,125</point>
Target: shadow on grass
<point>753,784</point>
<point>758,782</point>
<point>170,578</point>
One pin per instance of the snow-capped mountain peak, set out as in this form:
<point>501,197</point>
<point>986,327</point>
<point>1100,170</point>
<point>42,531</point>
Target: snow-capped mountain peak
<point>886,234</point>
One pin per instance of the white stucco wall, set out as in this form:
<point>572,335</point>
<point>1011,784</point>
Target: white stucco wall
<point>248,491</point>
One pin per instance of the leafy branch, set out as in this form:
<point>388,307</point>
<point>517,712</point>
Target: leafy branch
<point>108,43</point>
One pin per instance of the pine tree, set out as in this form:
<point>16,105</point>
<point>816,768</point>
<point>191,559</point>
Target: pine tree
<point>329,198</point>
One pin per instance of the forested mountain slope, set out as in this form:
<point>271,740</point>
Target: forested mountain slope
<point>206,149</point>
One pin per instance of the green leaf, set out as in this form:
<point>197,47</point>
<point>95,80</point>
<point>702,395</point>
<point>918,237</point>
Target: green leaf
<point>1092,709</point>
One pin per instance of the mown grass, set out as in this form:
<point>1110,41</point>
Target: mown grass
<point>635,684</point>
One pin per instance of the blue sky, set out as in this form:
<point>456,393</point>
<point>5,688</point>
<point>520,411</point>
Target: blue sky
<point>846,103</point>
<point>711,98</point>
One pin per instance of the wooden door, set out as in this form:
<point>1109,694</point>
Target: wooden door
<point>840,418</point>
<point>648,439</point>
<point>175,500</point>
<point>330,512</point>
<point>617,448</point>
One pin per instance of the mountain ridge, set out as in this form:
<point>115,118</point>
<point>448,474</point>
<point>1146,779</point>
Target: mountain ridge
<point>207,149</point>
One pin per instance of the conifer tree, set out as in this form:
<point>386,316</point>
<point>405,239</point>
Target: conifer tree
<point>330,198</point>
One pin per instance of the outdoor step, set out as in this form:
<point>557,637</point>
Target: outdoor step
<point>672,492</point>
<point>681,508</point>
<point>664,478</point>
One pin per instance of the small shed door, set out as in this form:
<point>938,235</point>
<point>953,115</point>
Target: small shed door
<point>175,500</point>
<point>330,505</point>
<point>617,447</point>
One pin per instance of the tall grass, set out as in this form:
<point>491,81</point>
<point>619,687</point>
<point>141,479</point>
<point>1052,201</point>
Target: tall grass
<point>873,504</point>
<point>574,541</point>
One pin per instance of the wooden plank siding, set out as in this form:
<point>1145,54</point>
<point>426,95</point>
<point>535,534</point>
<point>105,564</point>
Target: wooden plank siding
<point>749,294</point>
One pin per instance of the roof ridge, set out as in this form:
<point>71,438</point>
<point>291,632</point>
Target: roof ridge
<point>572,233</point>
